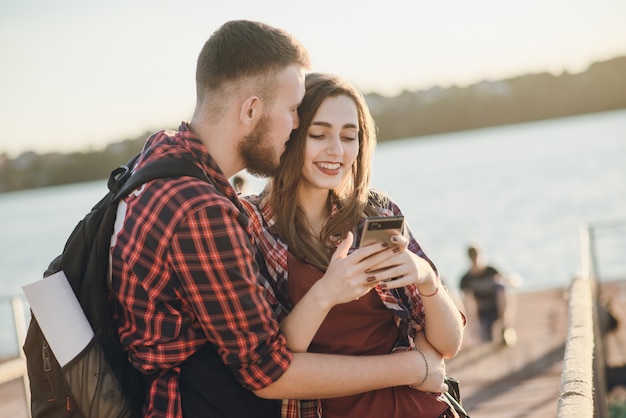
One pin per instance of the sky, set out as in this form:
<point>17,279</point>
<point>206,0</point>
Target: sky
<point>77,75</point>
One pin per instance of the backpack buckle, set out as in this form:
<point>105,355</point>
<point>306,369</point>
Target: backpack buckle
<point>118,177</point>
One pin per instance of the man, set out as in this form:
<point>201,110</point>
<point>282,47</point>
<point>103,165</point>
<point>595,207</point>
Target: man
<point>484,294</point>
<point>188,305</point>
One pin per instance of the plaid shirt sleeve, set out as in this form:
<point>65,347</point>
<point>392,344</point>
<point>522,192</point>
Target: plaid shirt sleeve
<point>274,252</point>
<point>189,277</point>
<point>214,260</point>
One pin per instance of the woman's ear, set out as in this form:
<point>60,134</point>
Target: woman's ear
<point>251,109</point>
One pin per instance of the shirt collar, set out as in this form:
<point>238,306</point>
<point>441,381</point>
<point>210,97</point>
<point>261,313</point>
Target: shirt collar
<point>199,150</point>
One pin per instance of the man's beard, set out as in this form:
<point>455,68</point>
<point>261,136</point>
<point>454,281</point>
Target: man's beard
<point>257,152</point>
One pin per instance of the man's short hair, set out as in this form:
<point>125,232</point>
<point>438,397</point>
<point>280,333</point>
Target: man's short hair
<point>245,49</point>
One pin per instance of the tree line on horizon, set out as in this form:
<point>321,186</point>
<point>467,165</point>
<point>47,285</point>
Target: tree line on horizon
<point>410,114</point>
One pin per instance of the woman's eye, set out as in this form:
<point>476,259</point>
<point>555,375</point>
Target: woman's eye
<point>350,135</point>
<point>316,136</point>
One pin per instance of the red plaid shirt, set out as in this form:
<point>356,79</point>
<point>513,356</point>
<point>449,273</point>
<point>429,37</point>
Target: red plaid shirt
<point>184,273</point>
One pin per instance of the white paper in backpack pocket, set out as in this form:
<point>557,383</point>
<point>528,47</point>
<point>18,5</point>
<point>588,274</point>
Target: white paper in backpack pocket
<point>59,315</point>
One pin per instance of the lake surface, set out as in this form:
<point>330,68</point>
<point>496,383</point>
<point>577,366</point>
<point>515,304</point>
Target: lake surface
<point>522,192</point>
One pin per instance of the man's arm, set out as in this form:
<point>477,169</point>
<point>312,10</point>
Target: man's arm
<point>327,375</point>
<point>216,263</point>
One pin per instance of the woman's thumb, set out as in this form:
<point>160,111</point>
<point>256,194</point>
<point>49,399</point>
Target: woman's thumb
<point>344,246</point>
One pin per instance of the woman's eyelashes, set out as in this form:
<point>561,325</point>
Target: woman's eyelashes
<point>344,137</point>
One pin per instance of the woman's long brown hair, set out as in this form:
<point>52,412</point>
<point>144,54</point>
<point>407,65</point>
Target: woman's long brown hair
<point>351,197</point>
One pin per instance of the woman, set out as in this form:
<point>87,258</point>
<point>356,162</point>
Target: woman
<point>311,209</point>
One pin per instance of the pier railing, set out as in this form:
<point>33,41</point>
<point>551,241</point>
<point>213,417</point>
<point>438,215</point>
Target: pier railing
<point>15,368</point>
<point>583,382</point>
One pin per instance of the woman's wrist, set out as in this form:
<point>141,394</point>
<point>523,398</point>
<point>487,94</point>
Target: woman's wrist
<point>429,289</point>
<point>321,296</point>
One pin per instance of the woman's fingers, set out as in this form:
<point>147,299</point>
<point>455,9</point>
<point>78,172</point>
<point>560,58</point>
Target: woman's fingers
<point>400,241</point>
<point>351,276</point>
<point>392,265</point>
<point>402,269</point>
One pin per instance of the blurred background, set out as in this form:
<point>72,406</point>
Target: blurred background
<point>77,76</point>
<point>499,123</point>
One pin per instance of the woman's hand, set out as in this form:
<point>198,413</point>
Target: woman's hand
<point>443,322</point>
<point>349,277</point>
<point>407,268</point>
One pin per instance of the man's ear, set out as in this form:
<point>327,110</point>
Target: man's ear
<point>251,110</point>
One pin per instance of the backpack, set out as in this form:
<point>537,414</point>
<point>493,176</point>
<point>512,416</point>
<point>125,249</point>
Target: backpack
<point>100,381</point>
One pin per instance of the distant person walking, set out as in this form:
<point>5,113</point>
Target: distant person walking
<point>486,298</point>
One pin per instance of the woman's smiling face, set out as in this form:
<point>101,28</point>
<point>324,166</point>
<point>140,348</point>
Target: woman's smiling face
<point>332,144</point>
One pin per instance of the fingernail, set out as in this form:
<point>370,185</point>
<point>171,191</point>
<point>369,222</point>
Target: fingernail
<point>383,285</point>
<point>371,279</point>
<point>385,245</point>
<point>396,250</point>
<point>395,238</point>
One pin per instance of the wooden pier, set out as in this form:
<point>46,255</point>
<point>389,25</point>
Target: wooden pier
<point>523,381</point>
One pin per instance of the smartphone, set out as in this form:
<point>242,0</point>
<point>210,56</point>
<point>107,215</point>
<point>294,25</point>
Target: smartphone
<point>381,229</point>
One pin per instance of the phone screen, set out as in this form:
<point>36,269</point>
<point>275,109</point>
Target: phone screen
<point>381,229</point>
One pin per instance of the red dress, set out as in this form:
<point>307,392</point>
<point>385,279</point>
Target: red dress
<point>360,327</point>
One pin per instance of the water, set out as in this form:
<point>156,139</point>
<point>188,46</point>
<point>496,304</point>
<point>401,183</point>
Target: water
<point>521,191</point>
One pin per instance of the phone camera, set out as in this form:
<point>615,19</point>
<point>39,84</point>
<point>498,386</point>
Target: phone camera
<point>375,226</point>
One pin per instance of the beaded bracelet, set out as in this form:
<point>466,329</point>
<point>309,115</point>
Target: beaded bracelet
<point>416,348</point>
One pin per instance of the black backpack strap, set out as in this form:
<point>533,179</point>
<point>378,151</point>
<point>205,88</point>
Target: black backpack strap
<point>123,181</point>
<point>118,177</point>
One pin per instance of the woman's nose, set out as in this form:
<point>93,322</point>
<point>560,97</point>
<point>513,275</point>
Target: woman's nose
<point>334,145</point>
